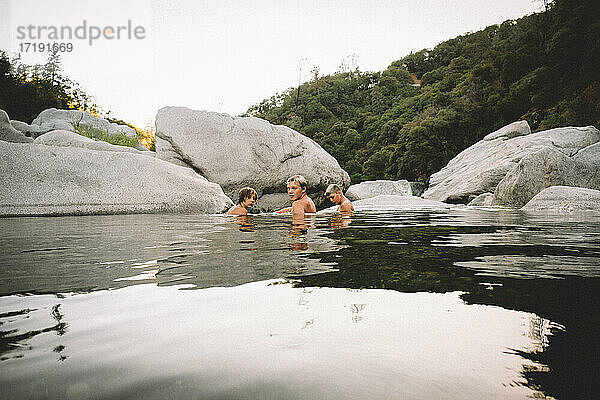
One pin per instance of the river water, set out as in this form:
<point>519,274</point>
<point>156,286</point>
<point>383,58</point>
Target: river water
<point>455,304</point>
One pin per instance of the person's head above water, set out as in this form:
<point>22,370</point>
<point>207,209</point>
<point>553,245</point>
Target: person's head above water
<point>247,197</point>
<point>296,187</point>
<point>334,193</point>
<point>336,196</point>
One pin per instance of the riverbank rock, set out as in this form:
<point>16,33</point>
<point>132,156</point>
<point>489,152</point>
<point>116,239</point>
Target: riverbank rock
<point>564,199</point>
<point>245,151</point>
<point>38,179</point>
<point>548,167</point>
<point>8,133</point>
<point>368,189</point>
<point>480,168</point>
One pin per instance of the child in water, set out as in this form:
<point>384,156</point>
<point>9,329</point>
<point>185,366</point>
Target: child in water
<point>335,195</point>
<point>246,199</point>
<point>302,204</point>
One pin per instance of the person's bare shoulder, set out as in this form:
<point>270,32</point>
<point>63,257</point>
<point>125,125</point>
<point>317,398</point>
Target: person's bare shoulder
<point>346,206</point>
<point>237,210</point>
<point>298,208</point>
<point>309,206</point>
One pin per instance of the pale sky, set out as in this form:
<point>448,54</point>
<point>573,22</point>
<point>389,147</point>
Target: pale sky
<point>227,55</point>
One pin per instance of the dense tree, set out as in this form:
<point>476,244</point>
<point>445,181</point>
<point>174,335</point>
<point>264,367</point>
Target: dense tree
<point>26,90</point>
<point>411,119</point>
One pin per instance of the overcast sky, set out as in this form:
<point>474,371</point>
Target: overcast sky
<point>227,55</point>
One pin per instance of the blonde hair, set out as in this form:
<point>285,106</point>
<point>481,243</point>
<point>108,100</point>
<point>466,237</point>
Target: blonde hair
<point>333,188</point>
<point>246,193</point>
<point>300,180</point>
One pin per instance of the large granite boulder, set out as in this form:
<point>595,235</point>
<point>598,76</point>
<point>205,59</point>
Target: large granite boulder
<point>548,167</point>
<point>8,133</point>
<point>479,168</point>
<point>564,199</point>
<point>368,189</point>
<point>38,179</point>
<point>244,151</point>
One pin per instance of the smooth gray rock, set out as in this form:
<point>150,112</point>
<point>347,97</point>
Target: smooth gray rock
<point>544,168</point>
<point>394,202</point>
<point>244,151</point>
<point>518,128</point>
<point>71,139</point>
<point>483,200</point>
<point>368,189</point>
<point>8,133</point>
<point>32,131</point>
<point>479,168</point>
<point>564,199</point>
<point>535,172</point>
<point>271,202</point>
<point>589,155</point>
<point>36,179</point>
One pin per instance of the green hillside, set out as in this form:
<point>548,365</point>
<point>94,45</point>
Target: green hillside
<point>378,125</point>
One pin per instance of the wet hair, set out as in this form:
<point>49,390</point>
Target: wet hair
<point>300,180</point>
<point>246,193</point>
<point>333,188</point>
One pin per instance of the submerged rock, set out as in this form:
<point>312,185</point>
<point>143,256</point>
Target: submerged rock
<point>38,179</point>
<point>483,200</point>
<point>480,168</point>
<point>564,199</point>
<point>368,189</point>
<point>8,133</point>
<point>244,151</point>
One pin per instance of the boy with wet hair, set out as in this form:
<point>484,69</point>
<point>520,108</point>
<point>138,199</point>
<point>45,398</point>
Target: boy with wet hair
<point>335,195</point>
<point>246,199</point>
<point>301,203</point>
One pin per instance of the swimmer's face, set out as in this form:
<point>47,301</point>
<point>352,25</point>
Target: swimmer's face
<point>295,191</point>
<point>248,202</point>
<point>335,198</point>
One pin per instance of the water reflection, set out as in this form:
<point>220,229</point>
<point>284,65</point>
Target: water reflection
<point>546,268</point>
<point>271,340</point>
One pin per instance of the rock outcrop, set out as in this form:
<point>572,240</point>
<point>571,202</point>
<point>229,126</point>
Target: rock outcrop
<point>8,133</point>
<point>37,179</point>
<point>368,189</point>
<point>564,199</point>
<point>548,167</point>
<point>480,168</point>
<point>244,151</point>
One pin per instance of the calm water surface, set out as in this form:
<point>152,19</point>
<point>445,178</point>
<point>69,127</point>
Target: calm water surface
<point>455,304</point>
